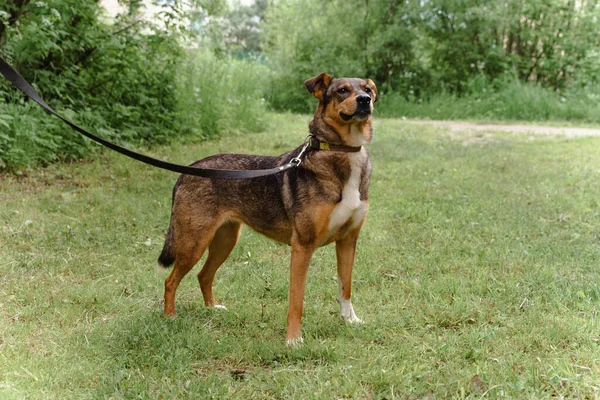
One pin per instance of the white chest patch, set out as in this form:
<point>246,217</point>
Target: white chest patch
<point>350,208</point>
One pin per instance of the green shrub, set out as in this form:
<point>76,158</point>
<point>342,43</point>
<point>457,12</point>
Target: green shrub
<point>30,137</point>
<point>343,38</point>
<point>124,71</point>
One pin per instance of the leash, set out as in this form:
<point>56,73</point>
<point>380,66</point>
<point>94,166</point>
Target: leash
<point>20,83</point>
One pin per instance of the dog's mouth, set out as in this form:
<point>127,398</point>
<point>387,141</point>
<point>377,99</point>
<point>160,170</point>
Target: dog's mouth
<point>359,115</point>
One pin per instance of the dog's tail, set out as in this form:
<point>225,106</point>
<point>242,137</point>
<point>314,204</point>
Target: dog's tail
<point>166,258</point>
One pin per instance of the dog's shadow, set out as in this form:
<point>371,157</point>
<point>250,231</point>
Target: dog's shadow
<point>198,337</point>
<point>148,352</point>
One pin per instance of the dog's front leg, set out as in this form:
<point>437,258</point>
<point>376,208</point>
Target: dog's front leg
<point>298,270</point>
<point>345,249</point>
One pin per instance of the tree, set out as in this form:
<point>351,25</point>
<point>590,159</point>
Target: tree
<point>345,38</point>
<point>243,26</point>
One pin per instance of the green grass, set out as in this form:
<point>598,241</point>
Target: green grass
<point>508,100</point>
<point>477,276</point>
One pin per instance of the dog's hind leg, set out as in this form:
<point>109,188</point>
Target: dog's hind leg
<point>188,251</point>
<point>219,249</point>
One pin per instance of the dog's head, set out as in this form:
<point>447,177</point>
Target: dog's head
<point>346,105</point>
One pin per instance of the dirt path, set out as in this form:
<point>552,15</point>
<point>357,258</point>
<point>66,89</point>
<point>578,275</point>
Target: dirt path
<point>531,129</point>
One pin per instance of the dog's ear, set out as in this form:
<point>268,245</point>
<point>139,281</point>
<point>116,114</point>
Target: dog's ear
<point>318,85</point>
<point>374,89</point>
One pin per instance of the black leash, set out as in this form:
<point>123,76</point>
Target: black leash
<point>20,83</point>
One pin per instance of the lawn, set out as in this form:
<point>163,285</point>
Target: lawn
<point>477,276</point>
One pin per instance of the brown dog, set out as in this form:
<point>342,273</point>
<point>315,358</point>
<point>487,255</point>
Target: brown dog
<point>323,200</point>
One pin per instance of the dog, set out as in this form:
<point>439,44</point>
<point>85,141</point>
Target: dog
<point>322,200</point>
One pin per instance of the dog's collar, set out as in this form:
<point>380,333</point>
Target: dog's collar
<point>316,144</point>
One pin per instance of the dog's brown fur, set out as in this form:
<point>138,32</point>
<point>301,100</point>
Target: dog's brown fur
<point>319,202</point>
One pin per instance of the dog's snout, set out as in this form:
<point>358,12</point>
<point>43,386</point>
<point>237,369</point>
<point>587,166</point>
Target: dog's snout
<point>363,100</point>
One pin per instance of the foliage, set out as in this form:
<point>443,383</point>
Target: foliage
<point>541,41</point>
<point>119,78</point>
<point>242,27</point>
<point>78,61</point>
<point>117,75</point>
<point>422,48</point>
<point>343,38</point>
<point>29,137</point>
<point>476,276</point>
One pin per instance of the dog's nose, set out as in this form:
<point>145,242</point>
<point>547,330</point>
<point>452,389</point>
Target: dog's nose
<point>363,100</point>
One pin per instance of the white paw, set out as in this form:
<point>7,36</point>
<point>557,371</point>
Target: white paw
<point>219,307</point>
<point>294,342</point>
<point>352,319</point>
<point>347,312</point>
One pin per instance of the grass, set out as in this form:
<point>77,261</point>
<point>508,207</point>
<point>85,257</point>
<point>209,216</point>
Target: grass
<point>508,100</point>
<point>476,276</point>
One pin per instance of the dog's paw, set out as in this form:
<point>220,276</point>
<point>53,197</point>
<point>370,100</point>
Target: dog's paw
<point>352,319</point>
<point>169,314</point>
<point>219,307</point>
<point>347,312</point>
<point>297,342</point>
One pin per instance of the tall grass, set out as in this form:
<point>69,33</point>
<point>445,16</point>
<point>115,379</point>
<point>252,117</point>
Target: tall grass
<point>218,95</point>
<point>507,99</point>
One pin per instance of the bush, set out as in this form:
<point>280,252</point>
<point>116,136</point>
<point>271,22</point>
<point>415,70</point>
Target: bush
<point>101,75</point>
<point>29,136</point>
<point>430,46</point>
<point>341,37</point>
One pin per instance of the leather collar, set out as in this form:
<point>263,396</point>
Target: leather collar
<point>316,144</point>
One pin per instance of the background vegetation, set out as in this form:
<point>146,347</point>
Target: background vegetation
<point>202,68</point>
<point>419,49</point>
<point>132,79</point>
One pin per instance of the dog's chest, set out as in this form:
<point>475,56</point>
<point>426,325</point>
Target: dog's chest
<point>350,211</point>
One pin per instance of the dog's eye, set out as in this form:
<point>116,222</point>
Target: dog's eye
<point>368,90</point>
<point>343,90</point>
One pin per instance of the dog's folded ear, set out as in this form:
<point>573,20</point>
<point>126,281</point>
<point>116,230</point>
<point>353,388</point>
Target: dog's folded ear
<point>374,89</point>
<point>318,85</point>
